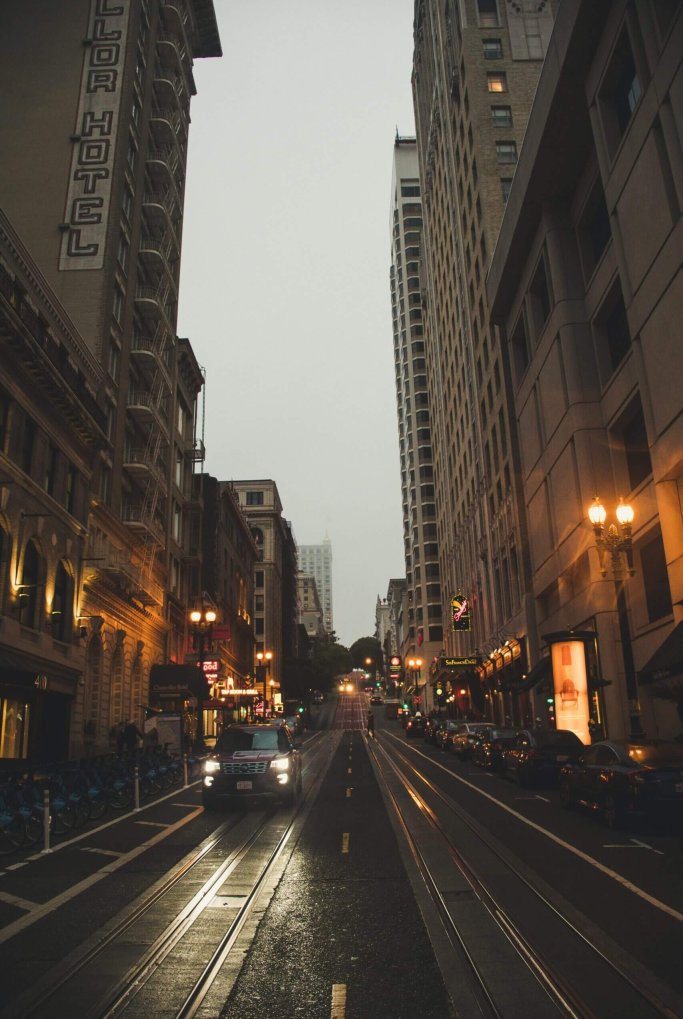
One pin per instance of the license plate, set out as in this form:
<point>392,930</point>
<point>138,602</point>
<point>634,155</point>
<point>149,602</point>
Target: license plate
<point>562,757</point>
<point>243,785</point>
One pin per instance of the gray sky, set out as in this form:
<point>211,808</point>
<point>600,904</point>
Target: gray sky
<point>285,273</point>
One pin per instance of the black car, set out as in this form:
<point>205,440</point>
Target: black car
<point>444,733</point>
<point>376,699</point>
<point>432,723</point>
<point>253,760</point>
<point>415,726</point>
<point>488,749</point>
<point>623,780</point>
<point>537,754</point>
<point>466,736</point>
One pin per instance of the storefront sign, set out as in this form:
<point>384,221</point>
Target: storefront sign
<point>458,663</point>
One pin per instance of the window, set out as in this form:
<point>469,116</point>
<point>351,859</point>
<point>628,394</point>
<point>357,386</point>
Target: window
<point>655,580</point>
<point>612,333</point>
<point>505,187</point>
<point>497,82</point>
<point>70,488</point>
<point>410,189</point>
<point>631,436</point>
<point>539,298</point>
<point>493,49</point>
<point>118,304</point>
<point>50,470</point>
<point>488,13</point>
<point>519,344</point>
<point>28,435</point>
<point>4,418</point>
<point>254,498</point>
<point>61,616</point>
<point>506,152</point>
<point>620,92</point>
<point>258,578</point>
<point>501,116</point>
<point>594,230</point>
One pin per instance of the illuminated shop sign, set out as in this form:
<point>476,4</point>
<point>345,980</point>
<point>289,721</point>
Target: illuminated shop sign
<point>461,612</point>
<point>570,683</point>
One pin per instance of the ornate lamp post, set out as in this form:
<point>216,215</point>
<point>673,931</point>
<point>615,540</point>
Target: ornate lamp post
<point>617,543</point>
<point>415,670</point>
<point>264,659</point>
<point>201,623</point>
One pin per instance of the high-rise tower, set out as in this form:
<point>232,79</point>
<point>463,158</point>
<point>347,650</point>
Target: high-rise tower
<point>316,560</point>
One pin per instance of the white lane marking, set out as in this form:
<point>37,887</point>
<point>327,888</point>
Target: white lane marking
<point>345,842</point>
<point>52,904</point>
<point>15,900</point>
<point>153,824</point>
<point>645,845</point>
<point>338,1010</point>
<point>624,882</point>
<point>100,852</point>
<point>17,866</point>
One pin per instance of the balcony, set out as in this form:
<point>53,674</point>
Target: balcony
<point>137,518</point>
<point>165,166</point>
<point>176,18</point>
<point>116,564</point>
<point>151,354</point>
<point>160,255</point>
<point>173,55</point>
<point>152,302</point>
<point>148,409</point>
<point>194,450</point>
<point>168,128</point>
<point>170,89</point>
<point>141,463</point>
<point>163,212</point>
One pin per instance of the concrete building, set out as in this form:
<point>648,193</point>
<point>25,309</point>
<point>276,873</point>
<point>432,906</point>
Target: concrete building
<point>98,135</point>
<point>585,288</point>
<point>423,629</point>
<point>317,561</point>
<point>275,579</point>
<point>311,614</point>
<point>475,69</point>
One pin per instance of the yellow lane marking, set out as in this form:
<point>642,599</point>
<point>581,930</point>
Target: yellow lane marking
<point>349,791</point>
<point>345,842</point>
<point>338,1010</point>
<point>348,771</point>
<point>15,900</point>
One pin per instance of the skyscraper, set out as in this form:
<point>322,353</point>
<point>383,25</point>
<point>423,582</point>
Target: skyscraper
<point>423,632</point>
<point>317,561</point>
<point>475,68</point>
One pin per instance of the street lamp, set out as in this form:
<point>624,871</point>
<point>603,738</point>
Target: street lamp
<point>201,621</point>
<point>264,659</point>
<point>617,542</point>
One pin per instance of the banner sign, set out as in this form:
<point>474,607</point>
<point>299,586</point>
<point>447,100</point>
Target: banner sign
<point>570,684</point>
<point>461,613</point>
<point>459,663</point>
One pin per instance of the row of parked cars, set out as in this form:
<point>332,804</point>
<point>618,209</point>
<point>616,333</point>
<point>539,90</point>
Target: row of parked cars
<point>624,780</point>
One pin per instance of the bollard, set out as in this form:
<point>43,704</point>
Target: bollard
<point>185,769</point>
<point>46,821</point>
<point>136,786</point>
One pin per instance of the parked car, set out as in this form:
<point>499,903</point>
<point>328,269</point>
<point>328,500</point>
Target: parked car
<point>295,723</point>
<point>253,760</point>
<point>625,780</point>
<point>415,726</point>
<point>538,754</point>
<point>432,722</point>
<point>465,737</point>
<point>444,733</point>
<point>489,746</point>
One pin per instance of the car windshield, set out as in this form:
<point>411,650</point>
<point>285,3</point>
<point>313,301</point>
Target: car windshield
<point>244,739</point>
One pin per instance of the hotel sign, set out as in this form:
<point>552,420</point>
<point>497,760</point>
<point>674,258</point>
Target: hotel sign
<point>94,138</point>
<point>459,663</point>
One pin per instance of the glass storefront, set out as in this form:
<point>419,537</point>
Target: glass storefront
<point>14,728</point>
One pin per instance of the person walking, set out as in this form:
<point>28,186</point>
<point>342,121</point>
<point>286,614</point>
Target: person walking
<point>371,724</point>
<point>131,735</point>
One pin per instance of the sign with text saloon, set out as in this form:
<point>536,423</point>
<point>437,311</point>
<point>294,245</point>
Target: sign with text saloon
<point>570,683</point>
<point>461,612</point>
<point>94,137</point>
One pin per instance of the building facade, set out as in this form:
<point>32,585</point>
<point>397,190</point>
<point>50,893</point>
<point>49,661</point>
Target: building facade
<point>98,134</point>
<point>423,629</point>
<point>275,592</point>
<point>316,560</point>
<point>310,607</point>
<point>585,288</point>
<point>475,69</point>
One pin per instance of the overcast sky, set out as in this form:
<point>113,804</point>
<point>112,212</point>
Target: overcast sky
<point>285,271</point>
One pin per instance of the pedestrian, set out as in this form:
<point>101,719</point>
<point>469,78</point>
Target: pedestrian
<point>371,724</point>
<point>131,735</point>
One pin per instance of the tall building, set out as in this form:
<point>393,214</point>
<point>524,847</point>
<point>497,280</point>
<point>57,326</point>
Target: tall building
<point>475,69</point>
<point>423,630</point>
<point>275,578</point>
<point>310,609</point>
<point>98,134</point>
<point>585,286</point>
<point>317,561</point>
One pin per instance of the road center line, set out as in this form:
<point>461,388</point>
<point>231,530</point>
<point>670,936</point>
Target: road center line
<point>345,842</point>
<point>338,1010</point>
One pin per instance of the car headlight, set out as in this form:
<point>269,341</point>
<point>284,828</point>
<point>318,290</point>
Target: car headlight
<point>211,766</point>
<point>280,764</point>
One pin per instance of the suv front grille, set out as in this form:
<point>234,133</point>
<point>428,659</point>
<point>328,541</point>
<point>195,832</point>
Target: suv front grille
<point>244,768</point>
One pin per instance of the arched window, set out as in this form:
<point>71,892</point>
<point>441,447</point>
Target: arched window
<point>31,577</point>
<point>62,605</point>
<point>257,535</point>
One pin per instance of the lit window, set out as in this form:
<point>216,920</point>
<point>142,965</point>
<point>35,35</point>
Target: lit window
<point>497,82</point>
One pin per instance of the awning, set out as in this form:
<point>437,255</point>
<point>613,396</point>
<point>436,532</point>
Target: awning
<point>542,670</point>
<point>667,661</point>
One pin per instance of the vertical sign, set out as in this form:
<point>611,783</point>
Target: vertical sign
<point>94,139</point>
<point>570,683</point>
<point>461,613</point>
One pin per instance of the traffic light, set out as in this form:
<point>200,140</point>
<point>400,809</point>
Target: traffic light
<point>300,709</point>
<point>405,705</point>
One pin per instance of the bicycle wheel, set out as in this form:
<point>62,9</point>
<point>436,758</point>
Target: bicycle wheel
<point>63,818</point>
<point>11,833</point>
<point>33,829</point>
